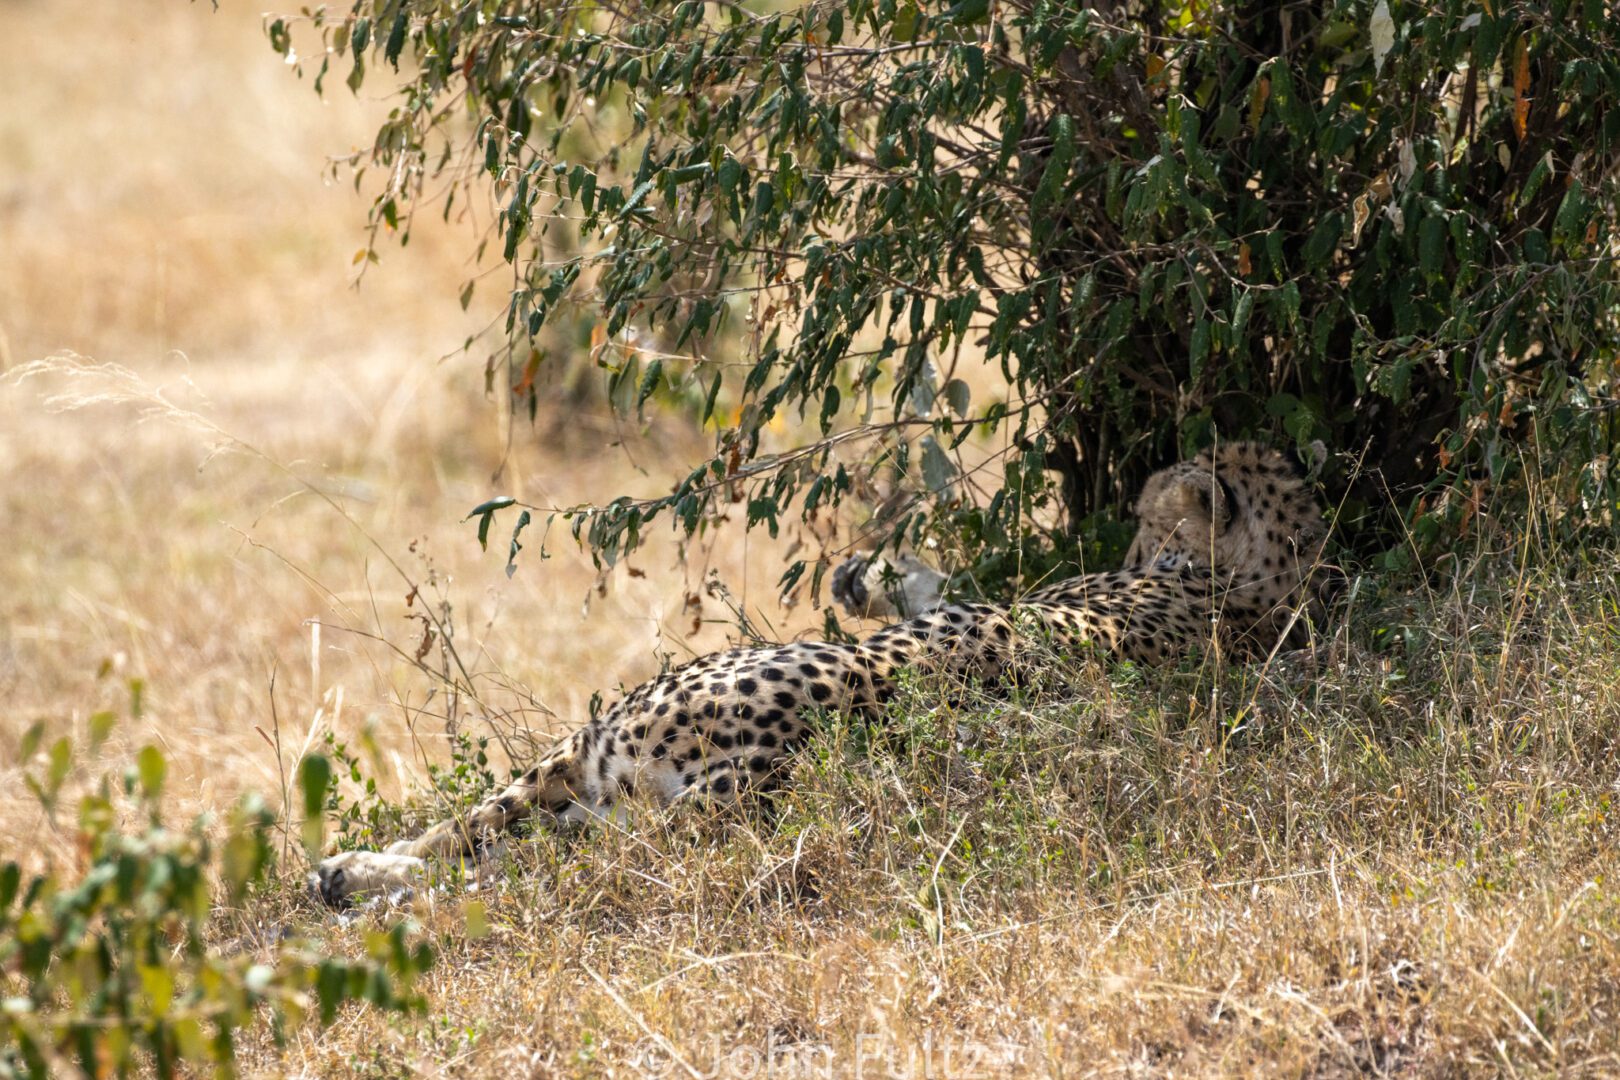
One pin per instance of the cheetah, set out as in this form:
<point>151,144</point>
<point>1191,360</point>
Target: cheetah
<point>1227,543</point>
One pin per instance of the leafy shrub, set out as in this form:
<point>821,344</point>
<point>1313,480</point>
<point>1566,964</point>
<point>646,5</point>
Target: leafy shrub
<point>1380,227</point>
<point>117,967</point>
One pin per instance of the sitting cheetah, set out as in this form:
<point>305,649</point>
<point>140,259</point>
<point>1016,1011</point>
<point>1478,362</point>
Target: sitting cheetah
<point>1233,533</point>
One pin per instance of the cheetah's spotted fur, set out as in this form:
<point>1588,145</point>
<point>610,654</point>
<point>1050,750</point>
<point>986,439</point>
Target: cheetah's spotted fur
<point>1227,539</point>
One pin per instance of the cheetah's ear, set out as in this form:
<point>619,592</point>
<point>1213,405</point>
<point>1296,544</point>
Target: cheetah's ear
<point>1198,497</point>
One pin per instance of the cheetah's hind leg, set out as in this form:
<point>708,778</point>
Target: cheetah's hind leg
<point>734,789</point>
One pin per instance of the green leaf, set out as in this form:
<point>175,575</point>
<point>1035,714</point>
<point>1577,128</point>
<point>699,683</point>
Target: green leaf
<point>101,725</point>
<point>791,577</point>
<point>485,513</point>
<point>61,761</point>
<point>904,27</point>
<point>331,982</point>
<point>314,780</point>
<point>709,400</point>
<point>1241,313</point>
<point>938,471</point>
<point>158,985</point>
<point>649,382</point>
<point>30,742</point>
<point>151,768</point>
<point>1538,176</point>
<point>1432,245</point>
<point>1055,177</point>
<point>246,852</point>
<point>1324,239</point>
<point>1571,217</point>
<point>396,39</point>
<point>1198,349</point>
<point>10,881</point>
<point>831,399</point>
<point>511,558</point>
<point>968,11</point>
<point>636,196</point>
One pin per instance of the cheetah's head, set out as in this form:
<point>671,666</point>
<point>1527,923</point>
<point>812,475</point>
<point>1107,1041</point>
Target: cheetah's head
<point>1241,512</point>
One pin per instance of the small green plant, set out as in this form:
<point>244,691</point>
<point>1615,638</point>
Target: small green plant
<point>468,779</point>
<point>369,820</point>
<point>115,967</point>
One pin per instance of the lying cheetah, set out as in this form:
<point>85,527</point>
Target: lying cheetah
<point>1234,533</point>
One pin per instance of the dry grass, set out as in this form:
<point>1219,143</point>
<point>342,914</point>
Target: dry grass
<point>171,224</point>
<point>1381,863</point>
<point>1396,860</point>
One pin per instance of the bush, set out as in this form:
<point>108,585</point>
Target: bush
<point>117,968</point>
<point>1382,228</point>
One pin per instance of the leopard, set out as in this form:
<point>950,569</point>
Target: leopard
<point>1226,557</point>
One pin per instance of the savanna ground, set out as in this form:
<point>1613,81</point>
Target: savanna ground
<point>1394,857</point>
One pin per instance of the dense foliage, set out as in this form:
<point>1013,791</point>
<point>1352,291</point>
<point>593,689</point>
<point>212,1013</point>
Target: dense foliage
<point>1384,229</point>
<point>115,968</point>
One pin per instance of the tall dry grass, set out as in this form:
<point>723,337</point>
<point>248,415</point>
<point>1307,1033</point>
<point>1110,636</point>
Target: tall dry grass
<point>1395,859</point>
<point>1394,856</point>
<point>166,221</point>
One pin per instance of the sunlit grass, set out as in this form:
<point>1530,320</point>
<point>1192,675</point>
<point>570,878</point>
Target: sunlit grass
<point>1372,859</point>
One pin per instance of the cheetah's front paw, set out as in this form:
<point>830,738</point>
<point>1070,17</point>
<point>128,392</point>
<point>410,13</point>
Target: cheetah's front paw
<point>849,584</point>
<point>343,876</point>
<point>879,588</point>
